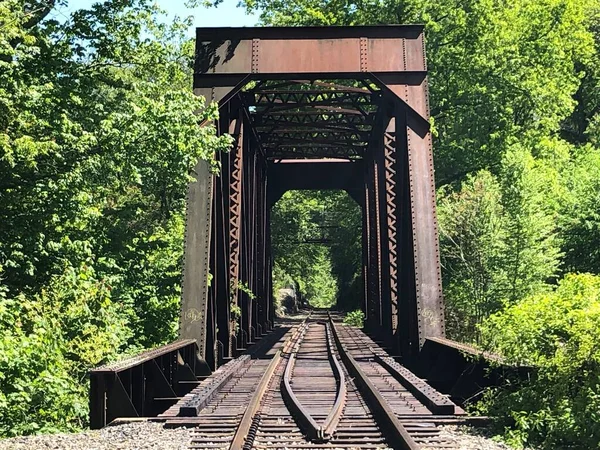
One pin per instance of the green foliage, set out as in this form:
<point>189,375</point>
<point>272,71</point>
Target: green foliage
<point>355,318</point>
<point>500,72</point>
<point>98,133</point>
<point>472,240</point>
<point>579,214</point>
<point>533,252</point>
<point>246,289</point>
<point>558,332</point>
<point>234,309</point>
<point>498,239</point>
<point>317,245</point>
<point>48,343</point>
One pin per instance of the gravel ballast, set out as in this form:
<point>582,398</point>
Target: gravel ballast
<point>466,438</point>
<point>152,435</point>
<point>140,435</point>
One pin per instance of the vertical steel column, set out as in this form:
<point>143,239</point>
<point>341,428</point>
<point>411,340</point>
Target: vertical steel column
<point>252,280</point>
<point>262,293</point>
<point>244,331</point>
<point>235,219</point>
<point>270,316</point>
<point>221,280</point>
<point>377,173</point>
<point>256,279</point>
<point>388,239</point>
<point>408,333</point>
<point>366,251</point>
<point>391,204</point>
<point>374,273</point>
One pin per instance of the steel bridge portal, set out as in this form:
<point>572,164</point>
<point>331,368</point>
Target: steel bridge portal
<point>313,108</point>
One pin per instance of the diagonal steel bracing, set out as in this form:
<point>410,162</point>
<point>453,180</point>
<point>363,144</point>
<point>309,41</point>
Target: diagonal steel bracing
<point>313,108</point>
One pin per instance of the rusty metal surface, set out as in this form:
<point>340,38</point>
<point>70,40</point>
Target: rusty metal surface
<point>430,397</point>
<point>143,357</point>
<point>146,384</point>
<point>292,50</point>
<point>317,93</point>
<point>199,398</point>
<point>193,318</point>
<point>319,371</point>
<point>249,410</point>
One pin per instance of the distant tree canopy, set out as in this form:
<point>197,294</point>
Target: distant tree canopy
<point>316,239</point>
<point>98,131</point>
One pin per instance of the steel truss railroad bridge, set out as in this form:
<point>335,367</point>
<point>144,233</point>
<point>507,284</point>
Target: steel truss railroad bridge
<point>309,108</point>
<point>314,108</point>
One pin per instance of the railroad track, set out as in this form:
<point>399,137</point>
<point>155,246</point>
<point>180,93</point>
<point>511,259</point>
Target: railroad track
<point>313,386</point>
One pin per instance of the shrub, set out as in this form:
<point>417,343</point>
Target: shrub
<point>355,318</point>
<point>559,333</point>
<point>49,341</point>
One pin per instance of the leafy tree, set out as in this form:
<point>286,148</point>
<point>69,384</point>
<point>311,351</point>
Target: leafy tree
<point>317,243</point>
<point>580,215</point>
<point>557,332</point>
<point>472,240</point>
<point>532,248</point>
<point>499,72</point>
<point>49,342</point>
<point>98,132</point>
<point>498,237</point>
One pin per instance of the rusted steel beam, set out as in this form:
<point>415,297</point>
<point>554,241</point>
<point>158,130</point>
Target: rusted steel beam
<point>202,396</point>
<point>347,91</point>
<point>315,175</point>
<point>305,50</point>
<point>425,255</point>
<point>221,282</point>
<point>235,213</point>
<point>144,385</point>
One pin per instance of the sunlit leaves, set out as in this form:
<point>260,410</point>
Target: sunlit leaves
<point>558,332</point>
<point>99,130</point>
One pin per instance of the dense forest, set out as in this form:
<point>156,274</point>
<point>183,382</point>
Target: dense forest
<point>98,129</point>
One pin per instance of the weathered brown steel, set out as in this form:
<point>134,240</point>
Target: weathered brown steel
<point>391,215</point>
<point>316,92</point>
<point>146,384</point>
<point>235,212</point>
<point>398,436</point>
<point>309,426</point>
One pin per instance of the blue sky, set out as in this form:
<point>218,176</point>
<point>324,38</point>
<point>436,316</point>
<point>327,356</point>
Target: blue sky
<point>225,15</point>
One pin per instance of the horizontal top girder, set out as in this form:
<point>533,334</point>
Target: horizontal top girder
<point>284,33</point>
<point>296,50</point>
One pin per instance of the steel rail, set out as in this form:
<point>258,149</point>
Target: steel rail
<point>249,418</point>
<point>305,421</point>
<point>335,414</point>
<point>309,426</point>
<point>397,436</point>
